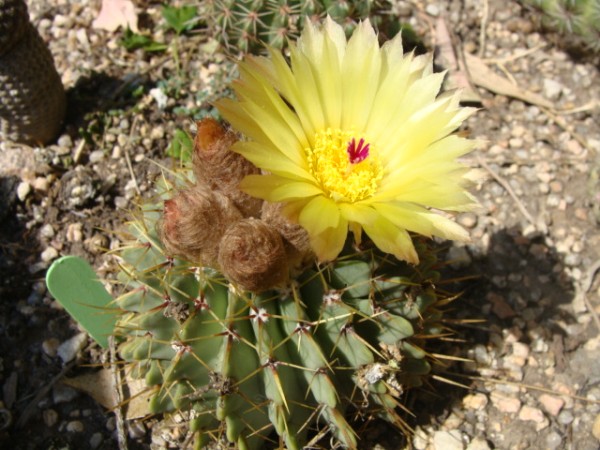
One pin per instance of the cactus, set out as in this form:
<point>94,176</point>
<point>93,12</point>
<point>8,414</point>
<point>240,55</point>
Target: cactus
<point>243,26</point>
<point>32,99</point>
<point>255,359</point>
<point>577,21</point>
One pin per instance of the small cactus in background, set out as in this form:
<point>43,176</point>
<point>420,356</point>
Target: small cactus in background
<point>32,99</point>
<point>234,325</point>
<point>243,26</point>
<point>577,21</point>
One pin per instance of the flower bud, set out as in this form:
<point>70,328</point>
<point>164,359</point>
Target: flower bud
<point>194,222</point>
<point>215,164</point>
<point>295,238</point>
<point>252,255</point>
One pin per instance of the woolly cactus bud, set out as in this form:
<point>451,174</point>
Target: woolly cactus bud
<point>220,168</point>
<point>32,99</point>
<point>295,238</point>
<point>252,255</point>
<point>194,222</point>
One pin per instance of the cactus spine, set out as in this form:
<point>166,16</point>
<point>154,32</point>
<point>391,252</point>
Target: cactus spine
<point>255,360</point>
<point>243,26</point>
<point>577,21</point>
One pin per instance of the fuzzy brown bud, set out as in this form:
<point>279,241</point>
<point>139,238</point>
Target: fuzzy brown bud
<point>215,164</point>
<point>295,238</point>
<point>253,256</point>
<point>194,222</point>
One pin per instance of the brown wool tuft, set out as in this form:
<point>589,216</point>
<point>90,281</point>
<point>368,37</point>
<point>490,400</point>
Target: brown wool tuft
<point>194,222</point>
<point>295,238</point>
<point>252,255</point>
<point>220,168</point>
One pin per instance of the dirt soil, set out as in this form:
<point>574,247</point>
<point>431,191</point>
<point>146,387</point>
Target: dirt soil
<point>528,316</point>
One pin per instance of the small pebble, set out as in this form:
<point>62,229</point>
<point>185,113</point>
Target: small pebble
<point>478,443</point>
<point>96,156</point>
<point>552,89</point>
<point>596,427</point>
<point>67,351</point>
<point>551,404</point>
<point>50,417</point>
<point>63,394</point>
<point>74,233</point>
<point>96,440</point>
<point>75,426</point>
<point>505,404</point>
<point>530,413</point>
<point>447,440</point>
<point>137,430</point>
<point>23,190</point>
<point>553,441</point>
<point>40,184</point>
<point>50,347</point>
<point>49,254</point>
<point>475,401</point>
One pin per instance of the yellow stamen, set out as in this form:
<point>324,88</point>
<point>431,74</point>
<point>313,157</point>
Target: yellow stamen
<point>340,175</point>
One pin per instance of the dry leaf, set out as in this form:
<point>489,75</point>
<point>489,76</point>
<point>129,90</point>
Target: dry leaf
<point>446,56</point>
<point>116,13</point>
<point>483,76</point>
<point>99,386</point>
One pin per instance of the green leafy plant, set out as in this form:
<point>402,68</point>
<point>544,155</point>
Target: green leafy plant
<point>180,19</point>
<point>132,41</point>
<point>181,146</point>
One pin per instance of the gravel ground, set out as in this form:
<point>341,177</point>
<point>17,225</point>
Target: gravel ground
<point>528,318</point>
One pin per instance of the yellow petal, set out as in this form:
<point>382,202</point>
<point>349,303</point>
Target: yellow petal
<point>277,189</point>
<point>391,239</point>
<point>420,220</point>
<point>319,214</point>
<point>360,76</point>
<point>328,245</point>
<point>272,160</point>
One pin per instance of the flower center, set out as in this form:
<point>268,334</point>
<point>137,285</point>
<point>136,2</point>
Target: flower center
<point>347,169</point>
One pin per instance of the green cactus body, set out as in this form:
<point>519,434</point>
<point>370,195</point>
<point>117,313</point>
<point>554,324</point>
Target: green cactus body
<point>577,21</point>
<point>245,25</point>
<point>344,339</point>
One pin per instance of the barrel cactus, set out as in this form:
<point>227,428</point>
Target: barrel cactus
<point>282,289</point>
<point>243,26</point>
<point>255,343</point>
<point>32,99</point>
<point>576,21</point>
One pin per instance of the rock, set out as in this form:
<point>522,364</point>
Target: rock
<point>75,426</point>
<point>475,401</point>
<point>553,441</point>
<point>96,440</point>
<point>50,347</point>
<point>596,427</point>
<point>50,417</point>
<point>69,349</point>
<point>551,404</point>
<point>63,394</point>
<point>49,254</point>
<point>23,190</point>
<point>505,404</point>
<point>552,89</point>
<point>530,413</point>
<point>458,257</point>
<point>478,443</point>
<point>96,156</point>
<point>447,440</point>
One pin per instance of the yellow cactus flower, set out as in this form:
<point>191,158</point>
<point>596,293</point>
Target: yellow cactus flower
<point>352,136</point>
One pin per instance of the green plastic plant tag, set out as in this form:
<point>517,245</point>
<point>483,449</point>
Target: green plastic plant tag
<point>75,285</point>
